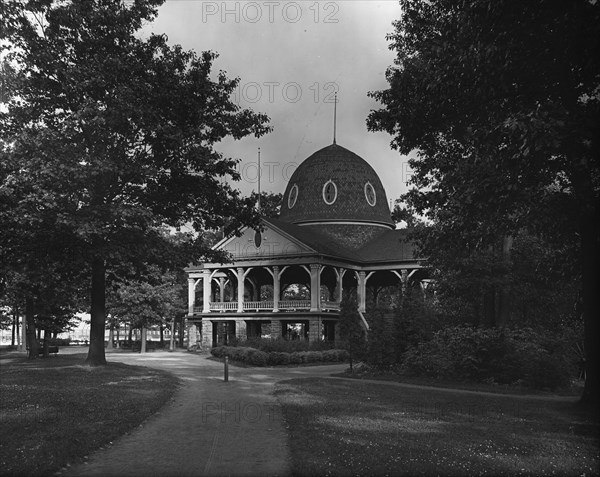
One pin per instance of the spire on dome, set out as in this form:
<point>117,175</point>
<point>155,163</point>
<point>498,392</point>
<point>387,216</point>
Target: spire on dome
<point>334,115</point>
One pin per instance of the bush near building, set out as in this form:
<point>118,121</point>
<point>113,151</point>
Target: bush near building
<point>256,357</point>
<point>533,358</point>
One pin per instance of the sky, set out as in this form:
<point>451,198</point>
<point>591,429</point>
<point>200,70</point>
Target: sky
<point>291,57</point>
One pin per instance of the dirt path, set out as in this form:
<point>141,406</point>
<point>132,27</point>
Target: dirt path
<point>211,428</point>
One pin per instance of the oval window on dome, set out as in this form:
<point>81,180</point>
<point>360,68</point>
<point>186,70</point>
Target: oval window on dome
<point>293,196</point>
<point>329,192</point>
<point>370,194</point>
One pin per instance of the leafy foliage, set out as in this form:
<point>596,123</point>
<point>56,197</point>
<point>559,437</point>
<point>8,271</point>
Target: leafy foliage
<point>502,147</point>
<point>352,332</point>
<point>533,358</point>
<point>107,135</point>
<point>256,357</point>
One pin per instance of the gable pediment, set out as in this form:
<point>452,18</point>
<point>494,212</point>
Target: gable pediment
<point>270,242</point>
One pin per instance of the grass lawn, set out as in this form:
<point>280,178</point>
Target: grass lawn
<point>55,411</point>
<point>344,427</point>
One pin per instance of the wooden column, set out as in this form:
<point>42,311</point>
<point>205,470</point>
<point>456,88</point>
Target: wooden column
<point>240,279</point>
<point>276,288</point>
<point>206,290</point>
<point>315,287</point>
<point>362,292</point>
<point>191,295</point>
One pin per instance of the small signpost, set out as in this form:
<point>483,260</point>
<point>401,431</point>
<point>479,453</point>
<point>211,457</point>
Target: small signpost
<point>226,368</point>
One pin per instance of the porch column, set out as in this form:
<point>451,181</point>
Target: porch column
<point>240,280</point>
<point>275,329</point>
<point>315,287</point>
<point>339,286</point>
<point>241,330</point>
<point>314,329</point>
<point>191,295</point>
<point>276,290</point>
<point>221,289</point>
<point>206,290</point>
<point>362,291</point>
<point>207,333</point>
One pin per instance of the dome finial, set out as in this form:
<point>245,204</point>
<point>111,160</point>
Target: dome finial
<point>258,179</point>
<point>334,114</point>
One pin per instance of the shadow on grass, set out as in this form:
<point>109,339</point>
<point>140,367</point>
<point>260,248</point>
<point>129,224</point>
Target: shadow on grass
<point>357,428</point>
<point>57,410</point>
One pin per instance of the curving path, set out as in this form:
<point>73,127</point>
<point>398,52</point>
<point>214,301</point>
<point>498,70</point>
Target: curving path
<point>211,428</point>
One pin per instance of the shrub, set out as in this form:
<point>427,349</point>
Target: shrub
<point>256,357</point>
<point>280,345</point>
<point>533,358</point>
<point>276,358</point>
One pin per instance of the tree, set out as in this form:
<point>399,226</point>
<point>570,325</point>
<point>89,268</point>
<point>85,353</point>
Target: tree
<point>352,331</point>
<point>501,101</point>
<point>114,134</point>
<point>151,300</point>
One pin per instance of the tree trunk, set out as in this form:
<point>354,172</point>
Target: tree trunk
<point>46,347</point>
<point>111,335</point>
<point>118,338</point>
<point>17,318</point>
<point>15,327</point>
<point>162,335</point>
<point>96,355</point>
<point>172,340</point>
<point>23,345</point>
<point>143,345</point>
<point>181,332</point>
<point>32,343</point>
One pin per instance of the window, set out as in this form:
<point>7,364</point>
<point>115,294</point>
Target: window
<point>329,192</point>
<point>293,196</point>
<point>257,239</point>
<point>370,194</point>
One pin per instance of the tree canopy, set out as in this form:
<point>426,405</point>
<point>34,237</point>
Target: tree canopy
<point>501,101</point>
<point>107,134</point>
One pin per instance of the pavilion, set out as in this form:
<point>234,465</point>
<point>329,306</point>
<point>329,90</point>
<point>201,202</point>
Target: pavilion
<point>334,233</point>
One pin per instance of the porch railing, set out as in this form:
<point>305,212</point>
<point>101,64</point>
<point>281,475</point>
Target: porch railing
<point>294,304</point>
<point>223,305</point>
<point>267,305</point>
<point>258,305</point>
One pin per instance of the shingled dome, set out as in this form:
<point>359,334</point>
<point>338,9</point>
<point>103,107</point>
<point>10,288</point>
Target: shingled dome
<point>334,185</point>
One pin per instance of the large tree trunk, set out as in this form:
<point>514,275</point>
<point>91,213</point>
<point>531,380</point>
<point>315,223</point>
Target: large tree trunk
<point>591,306</point>
<point>111,335</point>
<point>172,340</point>
<point>15,327</point>
<point>181,332</point>
<point>46,347</point>
<point>96,355</point>
<point>143,345</point>
<point>32,343</point>
<point>23,343</point>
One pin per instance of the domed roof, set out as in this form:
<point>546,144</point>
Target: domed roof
<point>335,185</point>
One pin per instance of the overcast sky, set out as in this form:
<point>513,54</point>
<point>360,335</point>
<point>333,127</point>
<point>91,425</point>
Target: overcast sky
<point>290,58</point>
